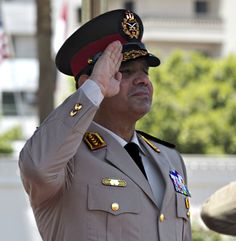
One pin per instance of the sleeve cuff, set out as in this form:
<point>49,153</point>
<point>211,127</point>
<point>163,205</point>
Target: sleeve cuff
<point>92,91</point>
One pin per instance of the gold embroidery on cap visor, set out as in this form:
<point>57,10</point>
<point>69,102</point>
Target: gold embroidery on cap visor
<point>133,54</point>
<point>130,25</point>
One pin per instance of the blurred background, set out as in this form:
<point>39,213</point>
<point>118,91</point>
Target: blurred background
<point>195,90</point>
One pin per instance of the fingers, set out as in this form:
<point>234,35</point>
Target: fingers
<point>119,60</point>
<point>113,51</point>
<point>106,68</point>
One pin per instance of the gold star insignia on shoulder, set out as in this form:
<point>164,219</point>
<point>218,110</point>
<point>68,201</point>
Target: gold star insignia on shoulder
<point>151,144</point>
<point>94,141</point>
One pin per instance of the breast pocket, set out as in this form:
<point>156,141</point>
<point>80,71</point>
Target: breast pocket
<point>114,213</point>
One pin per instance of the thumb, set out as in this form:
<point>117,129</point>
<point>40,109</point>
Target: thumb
<point>118,76</point>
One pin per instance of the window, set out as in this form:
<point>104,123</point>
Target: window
<point>129,5</point>
<point>8,104</point>
<point>24,46</point>
<point>29,103</point>
<point>79,15</point>
<point>18,103</point>
<point>201,7</point>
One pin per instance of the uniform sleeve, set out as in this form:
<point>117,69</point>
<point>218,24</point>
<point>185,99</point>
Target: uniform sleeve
<point>46,160</point>
<point>219,210</point>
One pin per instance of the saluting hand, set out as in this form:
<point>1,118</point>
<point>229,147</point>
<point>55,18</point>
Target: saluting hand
<point>106,70</point>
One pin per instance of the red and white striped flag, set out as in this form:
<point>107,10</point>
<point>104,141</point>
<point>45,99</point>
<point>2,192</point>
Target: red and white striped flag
<point>4,52</point>
<point>60,33</point>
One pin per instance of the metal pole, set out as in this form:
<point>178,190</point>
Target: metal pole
<point>86,12</point>
<point>92,8</point>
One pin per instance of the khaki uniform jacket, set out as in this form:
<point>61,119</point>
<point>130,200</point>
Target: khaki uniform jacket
<point>219,211</point>
<point>63,178</point>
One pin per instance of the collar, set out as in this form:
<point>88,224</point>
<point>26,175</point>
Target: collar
<point>121,140</point>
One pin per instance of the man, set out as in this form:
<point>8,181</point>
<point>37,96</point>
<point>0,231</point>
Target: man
<point>219,210</point>
<point>82,182</point>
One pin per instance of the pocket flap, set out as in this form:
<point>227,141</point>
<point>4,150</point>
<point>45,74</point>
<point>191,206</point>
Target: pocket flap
<point>181,209</point>
<point>103,197</point>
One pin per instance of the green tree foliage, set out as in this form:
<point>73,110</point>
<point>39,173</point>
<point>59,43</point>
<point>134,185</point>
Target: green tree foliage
<point>194,104</point>
<point>201,234</point>
<point>6,139</point>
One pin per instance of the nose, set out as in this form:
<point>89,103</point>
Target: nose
<point>141,78</point>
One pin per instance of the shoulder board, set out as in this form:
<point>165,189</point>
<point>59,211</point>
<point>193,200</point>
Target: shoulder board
<point>165,143</point>
<point>94,141</point>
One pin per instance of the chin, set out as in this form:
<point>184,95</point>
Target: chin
<point>142,111</point>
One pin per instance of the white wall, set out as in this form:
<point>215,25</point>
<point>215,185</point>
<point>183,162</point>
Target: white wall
<point>16,218</point>
<point>205,175</point>
<point>229,16</point>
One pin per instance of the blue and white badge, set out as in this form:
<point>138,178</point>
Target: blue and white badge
<point>179,183</point>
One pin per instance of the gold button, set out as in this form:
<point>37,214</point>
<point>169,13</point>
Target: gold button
<point>78,106</point>
<point>115,206</point>
<point>188,214</point>
<point>90,61</point>
<point>187,203</point>
<point>162,217</point>
<point>73,113</point>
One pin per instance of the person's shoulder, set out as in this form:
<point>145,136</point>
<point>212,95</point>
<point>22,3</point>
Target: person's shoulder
<point>155,139</point>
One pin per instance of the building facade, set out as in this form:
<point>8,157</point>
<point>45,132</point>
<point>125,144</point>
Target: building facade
<point>201,25</point>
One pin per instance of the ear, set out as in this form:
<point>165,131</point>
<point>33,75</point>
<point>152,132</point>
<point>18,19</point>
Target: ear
<point>82,79</point>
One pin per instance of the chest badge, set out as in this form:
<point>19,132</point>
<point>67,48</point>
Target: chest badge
<point>94,141</point>
<point>114,182</point>
<point>179,183</point>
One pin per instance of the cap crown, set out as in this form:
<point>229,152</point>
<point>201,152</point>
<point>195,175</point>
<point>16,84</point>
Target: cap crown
<point>81,48</point>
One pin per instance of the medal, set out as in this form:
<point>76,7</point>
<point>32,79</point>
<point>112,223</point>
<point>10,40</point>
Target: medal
<point>179,183</point>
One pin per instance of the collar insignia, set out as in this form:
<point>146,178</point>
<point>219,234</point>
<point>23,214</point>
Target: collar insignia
<point>94,141</point>
<point>130,25</point>
<point>156,149</point>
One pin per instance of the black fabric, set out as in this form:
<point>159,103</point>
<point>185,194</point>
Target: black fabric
<point>133,151</point>
<point>149,137</point>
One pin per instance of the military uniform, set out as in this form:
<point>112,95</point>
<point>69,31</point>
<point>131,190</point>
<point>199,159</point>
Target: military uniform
<point>219,210</point>
<point>66,167</point>
<point>82,184</point>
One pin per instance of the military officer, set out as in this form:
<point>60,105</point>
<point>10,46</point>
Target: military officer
<point>219,210</point>
<point>88,173</point>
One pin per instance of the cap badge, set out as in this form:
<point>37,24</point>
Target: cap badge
<point>130,25</point>
<point>94,141</point>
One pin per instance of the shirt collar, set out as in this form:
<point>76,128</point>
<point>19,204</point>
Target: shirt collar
<point>121,140</point>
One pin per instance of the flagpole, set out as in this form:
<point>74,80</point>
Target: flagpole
<point>92,8</point>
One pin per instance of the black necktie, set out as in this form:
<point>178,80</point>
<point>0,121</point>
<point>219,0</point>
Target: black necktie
<point>133,150</point>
